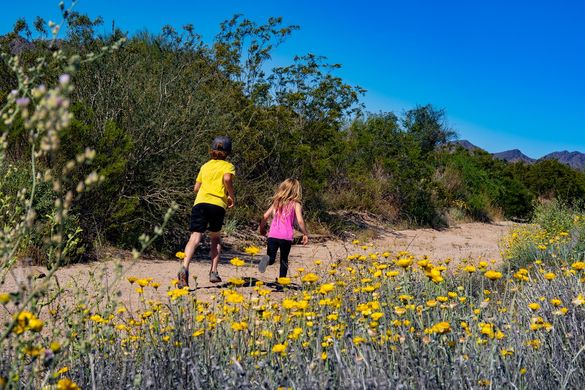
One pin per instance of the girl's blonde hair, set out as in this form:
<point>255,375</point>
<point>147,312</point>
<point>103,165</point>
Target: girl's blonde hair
<point>288,191</point>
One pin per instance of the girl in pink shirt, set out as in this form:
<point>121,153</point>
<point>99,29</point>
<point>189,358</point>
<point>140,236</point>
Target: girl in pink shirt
<point>285,210</point>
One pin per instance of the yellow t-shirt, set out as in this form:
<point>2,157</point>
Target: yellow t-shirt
<point>212,189</point>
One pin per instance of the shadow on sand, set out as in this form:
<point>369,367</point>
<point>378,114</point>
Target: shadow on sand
<point>250,281</point>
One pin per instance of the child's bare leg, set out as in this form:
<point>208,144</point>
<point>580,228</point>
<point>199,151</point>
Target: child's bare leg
<point>191,247</point>
<point>215,250</point>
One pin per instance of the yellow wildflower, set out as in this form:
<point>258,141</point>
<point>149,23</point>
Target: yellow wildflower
<point>535,344</point>
<point>142,282</point>
<point>376,315</point>
<point>579,300</point>
<point>236,261</point>
<point>442,327</point>
<point>493,275</point>
<point>67,384</point>
<point>399,310</point>
<point>236,281</point>
<point>279,348</point>
<point>310,278</point>
<point>404,262</point>
<point>578,265</point>
<point>237,326</point>
<point>233,297</point>
<point>556,302</point>
<point>252,250</point>
<point>4,298</point>
<point>326,288</point>
<point>507,352</point>
<point>55,346</point>
<point>177,293</point>
<point>35,324</point>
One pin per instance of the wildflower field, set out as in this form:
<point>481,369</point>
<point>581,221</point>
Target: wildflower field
<point>366,321</point>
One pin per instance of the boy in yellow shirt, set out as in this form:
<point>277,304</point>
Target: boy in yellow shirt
<point>215,193</point>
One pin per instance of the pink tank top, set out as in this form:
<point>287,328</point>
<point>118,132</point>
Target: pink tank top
<point>283,223</point>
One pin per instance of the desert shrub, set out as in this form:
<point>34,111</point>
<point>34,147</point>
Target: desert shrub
<point>556,216</point>
<point>488,187</point>
<point>556,235</point>
<point>550,179</point>
<point>395,158</point>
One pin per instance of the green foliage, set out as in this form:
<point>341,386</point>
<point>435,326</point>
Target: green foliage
<point>151,108</point>
<point>484,186</point>
<point>556,235</point>
<point>550,179</point>
<point>556,216</point>
<point>380,151</point>
<point>428,127</point>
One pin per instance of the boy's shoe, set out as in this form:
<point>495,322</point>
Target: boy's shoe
<point>183,277</point>
<point>214,277</point>
<point>263,263</point>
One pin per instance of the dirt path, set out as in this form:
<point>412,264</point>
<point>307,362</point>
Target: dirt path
<point>473,241</point>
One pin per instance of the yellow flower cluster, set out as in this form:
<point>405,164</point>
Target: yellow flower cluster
<point>25,320</point>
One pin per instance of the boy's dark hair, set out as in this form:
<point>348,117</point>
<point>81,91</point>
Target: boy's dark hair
<point>218,154</point>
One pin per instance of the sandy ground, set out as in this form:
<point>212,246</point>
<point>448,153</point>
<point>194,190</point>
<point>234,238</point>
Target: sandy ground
<point>471,241</point>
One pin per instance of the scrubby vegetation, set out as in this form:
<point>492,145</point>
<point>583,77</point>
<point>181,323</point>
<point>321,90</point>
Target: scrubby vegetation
<point>150,108</point>
<point>556,234</point>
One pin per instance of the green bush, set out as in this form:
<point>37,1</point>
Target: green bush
<point>556,236</point>
<point>488,187</point>
<point>556,216</point>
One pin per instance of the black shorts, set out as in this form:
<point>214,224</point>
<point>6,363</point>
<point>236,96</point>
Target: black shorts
<point>205,216</point>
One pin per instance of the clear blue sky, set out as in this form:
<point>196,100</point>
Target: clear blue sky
<point>510,74</point>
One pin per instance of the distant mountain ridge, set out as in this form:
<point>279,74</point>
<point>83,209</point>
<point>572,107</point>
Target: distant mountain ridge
<point>513,155</point>
<point>465,144</point>
<point>575,160</point>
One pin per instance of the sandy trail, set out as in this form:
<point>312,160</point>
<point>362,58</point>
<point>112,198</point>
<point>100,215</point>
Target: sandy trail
<point>471,241</point>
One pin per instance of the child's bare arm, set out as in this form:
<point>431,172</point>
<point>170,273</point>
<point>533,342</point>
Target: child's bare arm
<point>262,228</point>
<point>229,186</point>
<point>197,186</point>
<point>301,222</point>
